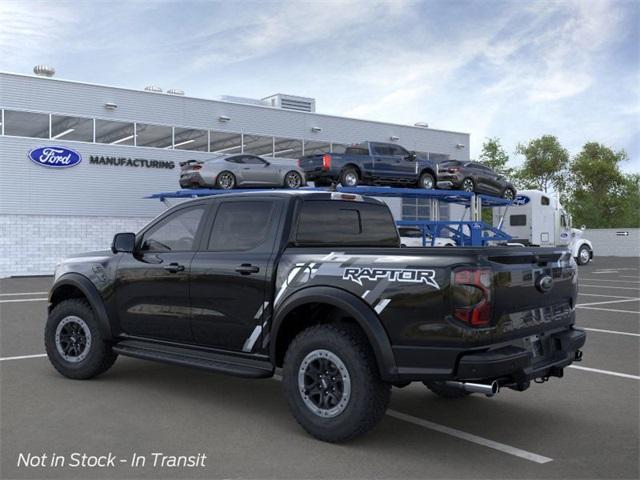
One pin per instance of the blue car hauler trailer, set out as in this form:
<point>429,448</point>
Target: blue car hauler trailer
<point>473,232</point>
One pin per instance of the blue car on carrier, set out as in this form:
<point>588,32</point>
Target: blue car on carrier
<point>371,163</point>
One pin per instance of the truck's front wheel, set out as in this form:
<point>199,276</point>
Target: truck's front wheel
<point>584,255</point>
<point>332,383</point>
<point>74,343</point>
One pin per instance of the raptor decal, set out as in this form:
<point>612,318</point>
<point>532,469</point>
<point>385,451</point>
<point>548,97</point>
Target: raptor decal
<point>357,274</point>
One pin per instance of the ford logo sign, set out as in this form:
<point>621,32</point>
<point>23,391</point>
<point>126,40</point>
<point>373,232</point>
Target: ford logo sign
<point>55,157</point>
<point>544,283</point>
<point>521,200</point>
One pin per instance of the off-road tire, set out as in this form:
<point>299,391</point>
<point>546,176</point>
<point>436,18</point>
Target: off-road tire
<point>440,389</point>
<point>345,173</point>
<point>369,395</point>
<point>100,356</point>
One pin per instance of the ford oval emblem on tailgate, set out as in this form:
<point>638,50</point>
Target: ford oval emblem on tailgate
<point>544,283</point>
<point>55,157</point>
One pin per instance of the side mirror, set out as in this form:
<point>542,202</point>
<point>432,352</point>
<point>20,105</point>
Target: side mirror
<point>124,242</point>
<point>412,156</point>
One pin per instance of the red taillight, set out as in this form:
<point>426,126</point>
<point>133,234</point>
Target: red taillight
<point>196,167</point>
<point>299,162</point>
<point>326,161</point>
<point>471,294</point>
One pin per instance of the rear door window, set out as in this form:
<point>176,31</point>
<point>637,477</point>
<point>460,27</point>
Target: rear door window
<point>242,225</point>
<point>335,222</point>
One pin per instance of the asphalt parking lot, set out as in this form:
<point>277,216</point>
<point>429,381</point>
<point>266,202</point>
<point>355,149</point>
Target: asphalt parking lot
<point>585,425</point>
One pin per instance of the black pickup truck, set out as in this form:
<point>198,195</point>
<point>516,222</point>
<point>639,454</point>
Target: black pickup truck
<point>316,283</point>
<point>371,163</point>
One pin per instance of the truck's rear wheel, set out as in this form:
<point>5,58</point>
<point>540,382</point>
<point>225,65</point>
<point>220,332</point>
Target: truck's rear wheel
<point>332,383</point>
<point>349,177</point>
<point>427,181</point>
<point>74,343</point>
<point>440,389</point>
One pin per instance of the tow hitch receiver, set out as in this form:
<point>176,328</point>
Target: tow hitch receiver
<point>578,357</point>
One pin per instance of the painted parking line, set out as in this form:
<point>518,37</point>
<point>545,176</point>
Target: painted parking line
<point>615,332</point>
<point>613,287</point>
<point>469,437</point>
<point>609,280</point>
<point>601,295</point>
<point>22,293</point>
<point>608,301</point>
<point>462,435</point>
<point>609,310</point>
<point>22,357</point>
<point>606,372</point>
<point>17,300</point>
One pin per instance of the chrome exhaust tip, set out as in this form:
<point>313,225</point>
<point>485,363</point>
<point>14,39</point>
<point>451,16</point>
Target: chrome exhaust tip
<point>487,389</point>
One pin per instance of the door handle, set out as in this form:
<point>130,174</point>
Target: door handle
<point>247,269</point>
<point>174,268</point>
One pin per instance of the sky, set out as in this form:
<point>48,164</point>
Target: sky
<point>509,69</point>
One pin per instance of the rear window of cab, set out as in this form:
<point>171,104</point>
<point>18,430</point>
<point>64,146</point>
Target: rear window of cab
<point>346,223</point>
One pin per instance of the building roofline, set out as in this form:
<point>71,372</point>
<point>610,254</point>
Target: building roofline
<point>232,103</point>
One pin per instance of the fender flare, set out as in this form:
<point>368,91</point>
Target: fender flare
<point>92,295</point>
<point>355,307</point>
<point>580,243</point>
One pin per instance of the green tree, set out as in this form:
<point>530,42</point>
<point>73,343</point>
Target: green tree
<point>600,195</point>
<point>494,156</point>
<point>545,164</point>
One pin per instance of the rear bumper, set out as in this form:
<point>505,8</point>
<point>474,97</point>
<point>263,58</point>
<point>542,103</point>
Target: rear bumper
<point>511,363</point>
<point>192,180</point>
<point>318,174</point>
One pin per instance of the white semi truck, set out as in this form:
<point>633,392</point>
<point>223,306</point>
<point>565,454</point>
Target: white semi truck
<point>537,218</point>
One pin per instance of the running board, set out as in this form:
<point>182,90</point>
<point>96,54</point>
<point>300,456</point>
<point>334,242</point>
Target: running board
<point>186,357</point>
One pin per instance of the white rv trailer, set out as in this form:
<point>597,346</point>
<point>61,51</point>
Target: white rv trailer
<point>537,218</point>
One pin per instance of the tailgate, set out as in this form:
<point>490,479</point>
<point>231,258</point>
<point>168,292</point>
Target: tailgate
<point>311,163</point>
<point>534,287</point>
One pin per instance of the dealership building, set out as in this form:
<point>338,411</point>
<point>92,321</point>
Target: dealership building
<point>129,144</point>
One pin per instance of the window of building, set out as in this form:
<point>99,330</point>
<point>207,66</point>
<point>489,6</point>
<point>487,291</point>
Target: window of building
<point>287,148</point>
<point>338,147</point>
<point>71,128</point>
<point>191,139</point>
<point>518,220</point>
<point>314,148</point>
<point>241,226</point>
<point>225,142</point>
<point>438,157</point>
<point>26,124</point>
<point>258,145</point>
<point>415,209</point>
<point>177,232</point>
<point>114,133</point>
<point>157,136</point>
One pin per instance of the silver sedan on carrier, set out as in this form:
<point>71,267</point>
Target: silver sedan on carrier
<point>241,170</point>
